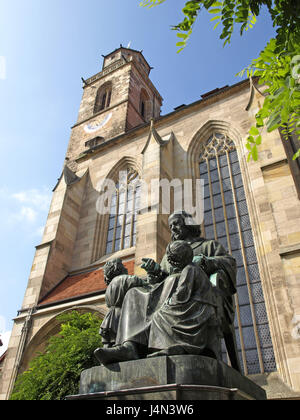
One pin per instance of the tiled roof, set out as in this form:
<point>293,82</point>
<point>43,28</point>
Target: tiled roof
<point>2,357</point>
<point>80,284</point>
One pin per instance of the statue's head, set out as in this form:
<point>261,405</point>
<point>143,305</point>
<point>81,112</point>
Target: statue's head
<point>179,254</point>
<point>113,268</point>
<point>182,226</point>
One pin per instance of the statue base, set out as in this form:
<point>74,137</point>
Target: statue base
<point>185,377</point>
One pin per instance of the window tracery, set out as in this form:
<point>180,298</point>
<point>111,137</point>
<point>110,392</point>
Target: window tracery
<point>226,219</point>
<point>103,97</point>
<point>123,213</point>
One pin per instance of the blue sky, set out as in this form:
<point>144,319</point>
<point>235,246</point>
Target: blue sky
<point>46,46</point>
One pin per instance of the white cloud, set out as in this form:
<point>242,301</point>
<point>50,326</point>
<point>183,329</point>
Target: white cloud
<point>26,207</point>
<point>34,198</point>
<point>25,210</point>
<point>39,231</point>
<point>27,214</point>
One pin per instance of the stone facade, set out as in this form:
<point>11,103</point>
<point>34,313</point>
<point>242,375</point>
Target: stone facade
<point>74,240</point>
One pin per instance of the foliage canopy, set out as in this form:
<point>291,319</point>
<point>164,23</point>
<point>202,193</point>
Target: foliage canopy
<point>55,373</point>
<point>278,65</point>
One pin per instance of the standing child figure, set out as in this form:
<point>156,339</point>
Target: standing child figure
<point>118,283</point>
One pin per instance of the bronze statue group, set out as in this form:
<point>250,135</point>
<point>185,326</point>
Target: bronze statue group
<point>185,305</point>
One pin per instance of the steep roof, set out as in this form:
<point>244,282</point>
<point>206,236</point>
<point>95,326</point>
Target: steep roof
<point>2,357</point>
<point>80,285</point>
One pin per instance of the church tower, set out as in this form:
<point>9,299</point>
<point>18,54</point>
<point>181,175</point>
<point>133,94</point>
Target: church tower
<point>116,100</point>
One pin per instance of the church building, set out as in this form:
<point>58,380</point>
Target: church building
<point>252,208</point>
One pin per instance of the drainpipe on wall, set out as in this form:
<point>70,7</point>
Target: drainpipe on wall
<point>23,339</point>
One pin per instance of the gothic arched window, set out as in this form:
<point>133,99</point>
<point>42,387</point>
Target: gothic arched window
<point>144,104</point>
<point>226,219</point>
<point>103,97</point>
<point>121,232</point>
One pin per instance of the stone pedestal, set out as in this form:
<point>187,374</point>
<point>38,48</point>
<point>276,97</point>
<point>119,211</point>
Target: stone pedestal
<point>184,377</point>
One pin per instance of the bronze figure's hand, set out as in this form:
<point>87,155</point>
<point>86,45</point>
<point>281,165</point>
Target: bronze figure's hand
<point>150,266</point>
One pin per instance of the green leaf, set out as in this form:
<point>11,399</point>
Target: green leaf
<point>217,24</point>
<point>241,73</point>
<point>259,122</point>
<point>251,139</point>
<point>181,35</point>
<point>217,4</point>
<point>151,3</point>
<point>254,153</point>
<point>253,20</point>
<point>214,18</point>
<point>296,155</point>
<point>258,140</point>
<point>285,113</point>
<point>253,131</point>
<point>273,122</point>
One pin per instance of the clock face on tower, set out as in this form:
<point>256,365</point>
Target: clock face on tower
<point>94,126</point>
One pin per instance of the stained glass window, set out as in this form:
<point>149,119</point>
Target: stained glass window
<point>226,220</point>
<point>123,212</point>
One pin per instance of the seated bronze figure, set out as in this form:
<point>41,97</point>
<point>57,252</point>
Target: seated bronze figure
<point>186,306</point>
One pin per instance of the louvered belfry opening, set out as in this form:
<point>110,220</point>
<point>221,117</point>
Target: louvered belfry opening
<point>226,219</point>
